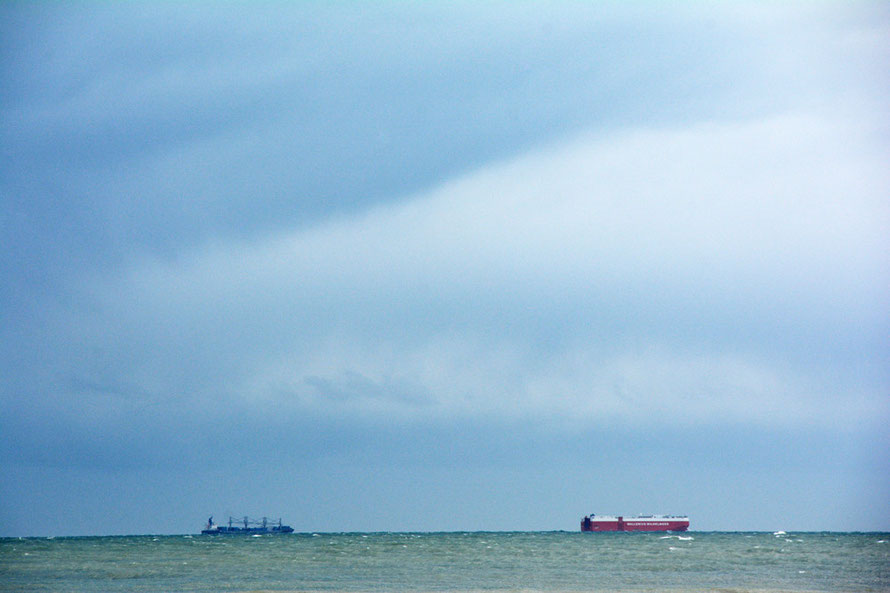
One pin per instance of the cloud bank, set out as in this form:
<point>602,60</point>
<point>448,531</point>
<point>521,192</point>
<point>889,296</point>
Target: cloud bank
<point>593,281</point>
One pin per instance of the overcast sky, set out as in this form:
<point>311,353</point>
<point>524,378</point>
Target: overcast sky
<point>416,266</point>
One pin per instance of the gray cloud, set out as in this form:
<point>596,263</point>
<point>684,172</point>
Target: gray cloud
<point>559,284</point>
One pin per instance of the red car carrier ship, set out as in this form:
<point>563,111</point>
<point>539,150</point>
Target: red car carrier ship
<point>638,523</point>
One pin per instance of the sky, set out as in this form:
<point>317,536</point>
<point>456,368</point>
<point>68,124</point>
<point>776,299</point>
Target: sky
<point>430,267</point>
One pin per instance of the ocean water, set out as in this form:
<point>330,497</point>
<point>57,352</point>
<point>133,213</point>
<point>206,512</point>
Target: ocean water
<point>443,562</point>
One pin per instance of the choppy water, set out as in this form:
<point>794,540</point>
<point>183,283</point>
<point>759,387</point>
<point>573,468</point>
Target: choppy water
<point>442,562</point>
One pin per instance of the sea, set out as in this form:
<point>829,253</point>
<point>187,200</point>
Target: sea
<point>445,562</point>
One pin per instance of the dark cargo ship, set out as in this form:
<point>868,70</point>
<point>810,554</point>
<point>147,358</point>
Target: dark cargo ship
<point>247,526</point>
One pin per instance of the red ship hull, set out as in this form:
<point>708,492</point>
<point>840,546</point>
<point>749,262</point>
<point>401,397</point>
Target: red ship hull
<point>635,524</point>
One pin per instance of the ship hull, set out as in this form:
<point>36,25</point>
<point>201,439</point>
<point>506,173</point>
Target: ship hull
<point>636,524</point>
<point>249,531</point>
